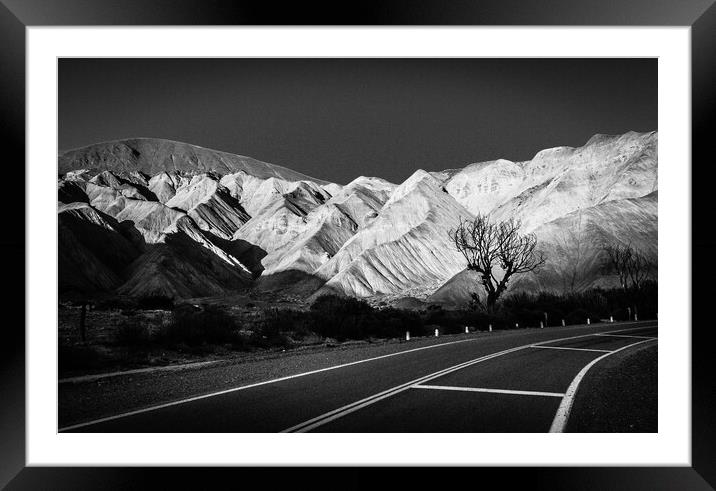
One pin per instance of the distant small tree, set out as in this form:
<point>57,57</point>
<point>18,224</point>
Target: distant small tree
<point>629,264</point>
<point>488,245</point>
<point>618,257</point>
<point>571,252</point>
<point>639,268</point>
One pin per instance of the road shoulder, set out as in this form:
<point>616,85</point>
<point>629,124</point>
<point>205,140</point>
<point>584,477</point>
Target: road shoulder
<point>95,398</point>
<point>619,394</point>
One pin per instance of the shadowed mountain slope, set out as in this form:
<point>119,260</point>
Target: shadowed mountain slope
<point>93,251</point>
<point>149,216</point>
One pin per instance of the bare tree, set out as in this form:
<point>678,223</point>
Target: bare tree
<point>639,268</point>
<point>571,250</point>
<point>487,246</point>
<point>618,258</point>
<point>629,264</point>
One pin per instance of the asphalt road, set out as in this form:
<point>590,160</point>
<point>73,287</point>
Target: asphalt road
<point>500,384</point>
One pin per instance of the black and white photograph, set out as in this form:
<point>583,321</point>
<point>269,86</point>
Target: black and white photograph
<point>423,235</point>
<point>357,245</point>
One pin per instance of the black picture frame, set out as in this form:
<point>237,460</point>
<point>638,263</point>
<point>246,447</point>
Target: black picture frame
<point>16,15</point>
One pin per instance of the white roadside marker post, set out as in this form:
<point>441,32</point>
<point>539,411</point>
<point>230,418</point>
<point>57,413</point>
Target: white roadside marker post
<point>407,335</point>
<point>562,322</point>
<point>436,333</point>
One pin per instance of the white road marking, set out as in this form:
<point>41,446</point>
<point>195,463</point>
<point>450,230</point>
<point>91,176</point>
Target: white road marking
<point>355,406</point>
<point>492,391</point>
<point>234,389</point>
<point>626,336</point>
<point>632,328</point>
<point>571,349</point>
<point>281,379</point>
<point>565,407</point>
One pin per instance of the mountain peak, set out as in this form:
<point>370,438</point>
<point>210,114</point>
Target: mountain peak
<point>420,178</point>
<point>152,156</point>
<point>218,220</point>
<point>602,138</point>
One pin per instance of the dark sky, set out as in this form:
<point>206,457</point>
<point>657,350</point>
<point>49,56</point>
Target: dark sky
<point>337,119</point>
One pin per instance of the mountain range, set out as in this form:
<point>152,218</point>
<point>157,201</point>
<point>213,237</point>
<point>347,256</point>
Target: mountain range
<point>145,217</point>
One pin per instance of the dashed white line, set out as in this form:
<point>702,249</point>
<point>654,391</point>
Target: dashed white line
<point>626,336</point>
<point>491,391</point>
<point>571,349</point>
<point>355,406</point>
<point>235,389</point>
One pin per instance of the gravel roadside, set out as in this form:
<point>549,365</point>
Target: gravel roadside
<point>96,398</point>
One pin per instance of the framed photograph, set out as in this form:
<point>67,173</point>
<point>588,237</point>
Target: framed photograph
<point>418,235</point>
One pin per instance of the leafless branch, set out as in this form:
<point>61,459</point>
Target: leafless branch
<point>486,245</point>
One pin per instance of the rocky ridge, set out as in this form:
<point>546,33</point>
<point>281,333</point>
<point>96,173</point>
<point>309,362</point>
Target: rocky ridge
<point>154,217</point>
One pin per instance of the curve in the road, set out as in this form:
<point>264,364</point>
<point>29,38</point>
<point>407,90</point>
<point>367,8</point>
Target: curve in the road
<point>560,418</point>
<point>565,407</point>
<point>310,402</point>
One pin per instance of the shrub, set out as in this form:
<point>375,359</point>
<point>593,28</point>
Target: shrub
<point>156,302</point>
<point>335,304</point>
<point>454,321</point>
<point>579,316</point>
<point>115,303</point>
<point>343,318</point>
<point>620,314</point>
<point>197,327</point>
<point>132,332</point>
<point>595,304</point>
<point>395,322</point>
<point>270,331</point>
<point>70,358</point>
<point>302,328</point>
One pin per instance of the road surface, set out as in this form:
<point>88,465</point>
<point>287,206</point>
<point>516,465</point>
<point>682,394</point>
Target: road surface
<point>523,383</point>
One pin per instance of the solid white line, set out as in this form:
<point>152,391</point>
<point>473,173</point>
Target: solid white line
<point>281,379</point>
<point>234,389</point>
<point>565,407</point>
<point>495,391</point>
<point>355,406</point>
<point>632,328</point>
<point>625,336</point>
<point>571,349</point>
